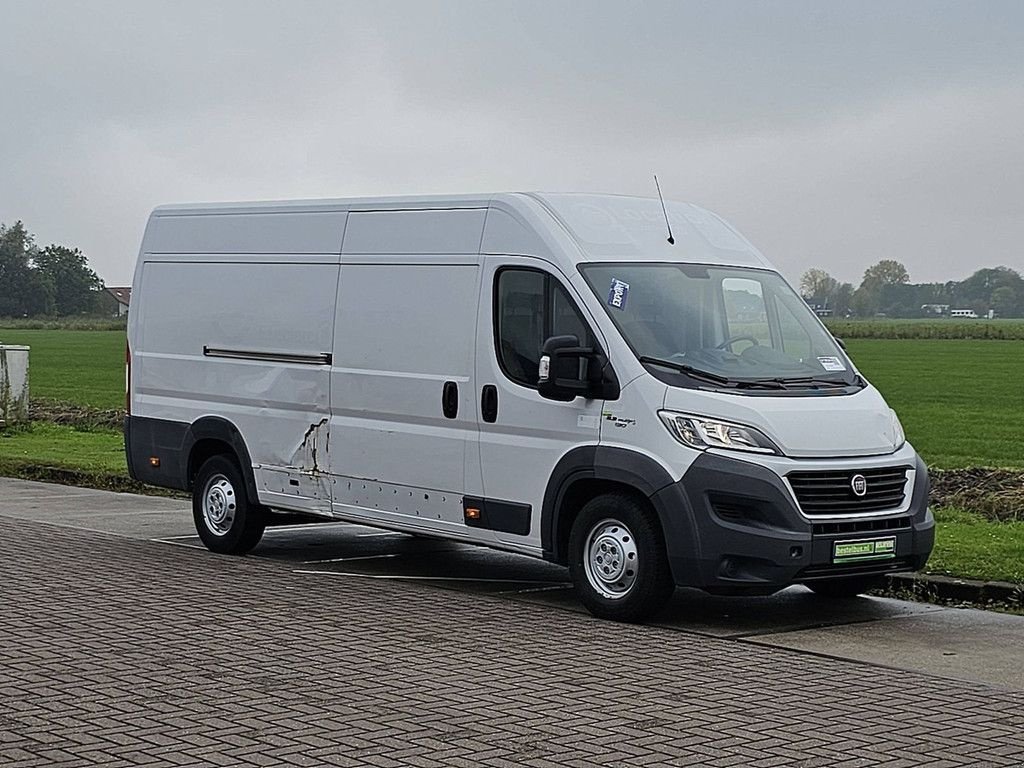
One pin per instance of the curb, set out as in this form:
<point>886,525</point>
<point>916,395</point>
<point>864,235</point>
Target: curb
<point>935,588</point>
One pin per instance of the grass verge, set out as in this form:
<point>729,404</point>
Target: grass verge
<point>70,455</point>
<point>970,546</point>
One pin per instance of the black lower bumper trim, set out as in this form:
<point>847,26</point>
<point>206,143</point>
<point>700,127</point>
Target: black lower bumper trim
<point>738,530</point>
<point>816,572</point>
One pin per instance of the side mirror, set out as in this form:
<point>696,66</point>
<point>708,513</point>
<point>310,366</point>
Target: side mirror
<point>568,371</point>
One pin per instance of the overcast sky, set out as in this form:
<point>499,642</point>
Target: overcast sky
<point>831,134</point>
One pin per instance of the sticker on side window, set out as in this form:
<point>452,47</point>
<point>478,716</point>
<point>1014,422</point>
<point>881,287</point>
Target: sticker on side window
<point>831,363</point>
<point>617,294</point>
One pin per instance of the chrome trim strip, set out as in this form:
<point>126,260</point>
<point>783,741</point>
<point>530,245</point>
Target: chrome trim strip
<point>322,358</point>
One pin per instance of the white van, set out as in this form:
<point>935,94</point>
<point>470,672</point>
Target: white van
<point>544,374</point>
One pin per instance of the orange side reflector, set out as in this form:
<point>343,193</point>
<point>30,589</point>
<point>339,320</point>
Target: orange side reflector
<point>472,513</point>
<point>154,461</point>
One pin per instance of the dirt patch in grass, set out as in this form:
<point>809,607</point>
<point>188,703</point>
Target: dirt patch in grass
<point>997,494</point>
<point>83,417</point>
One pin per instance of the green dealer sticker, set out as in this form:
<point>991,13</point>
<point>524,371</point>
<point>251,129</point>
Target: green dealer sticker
<point>864,549</point>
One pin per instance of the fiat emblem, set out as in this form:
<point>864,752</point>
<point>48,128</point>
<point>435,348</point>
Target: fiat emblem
<point>859,485</point>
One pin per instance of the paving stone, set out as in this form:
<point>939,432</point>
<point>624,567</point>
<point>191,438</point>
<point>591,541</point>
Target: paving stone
<point>116,651</point>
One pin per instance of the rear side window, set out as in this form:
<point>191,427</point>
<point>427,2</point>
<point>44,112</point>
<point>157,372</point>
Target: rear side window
<point>530,307</point>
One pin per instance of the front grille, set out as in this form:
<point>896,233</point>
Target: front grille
<point>831,492</point>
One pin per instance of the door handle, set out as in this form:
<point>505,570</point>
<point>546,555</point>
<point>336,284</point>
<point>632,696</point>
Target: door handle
<point>450,399</point>
<point>489,403</point>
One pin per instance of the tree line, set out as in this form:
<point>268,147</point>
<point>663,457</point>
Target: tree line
<point>45,282</point>
<point>886,290</point>
<point>57,281</point>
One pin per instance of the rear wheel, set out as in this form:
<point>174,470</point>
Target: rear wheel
<point>617,559</point>
<point>847,587</point>
<point>225,520</point>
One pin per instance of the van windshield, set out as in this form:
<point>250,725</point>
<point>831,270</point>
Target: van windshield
<point>725,327</point>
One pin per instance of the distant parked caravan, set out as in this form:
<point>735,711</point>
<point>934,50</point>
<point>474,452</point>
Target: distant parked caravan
<point>543,374</point>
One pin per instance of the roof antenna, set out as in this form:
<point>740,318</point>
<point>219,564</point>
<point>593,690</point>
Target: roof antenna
<point>671,240</point>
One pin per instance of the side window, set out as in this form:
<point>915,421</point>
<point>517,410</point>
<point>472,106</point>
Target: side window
<point>745,312</point>
<point>532,306</point>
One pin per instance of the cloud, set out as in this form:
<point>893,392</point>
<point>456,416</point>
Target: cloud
<point>832,136</point>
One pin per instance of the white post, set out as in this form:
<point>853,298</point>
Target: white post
<point>13,384</point>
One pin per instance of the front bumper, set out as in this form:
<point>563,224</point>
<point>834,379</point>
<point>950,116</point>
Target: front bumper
<point>732,526</point>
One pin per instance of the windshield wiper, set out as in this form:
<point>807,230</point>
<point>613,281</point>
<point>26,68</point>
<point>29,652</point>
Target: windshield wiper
<point>714,378</point>
<point>696,373</point>
<point>803,380</point>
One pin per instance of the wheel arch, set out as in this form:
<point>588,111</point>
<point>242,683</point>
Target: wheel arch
<point>588,471</point>
<point>212,436</point>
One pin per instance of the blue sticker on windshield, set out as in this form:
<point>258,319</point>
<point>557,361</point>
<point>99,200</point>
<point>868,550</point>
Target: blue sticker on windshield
<point>617,294</point>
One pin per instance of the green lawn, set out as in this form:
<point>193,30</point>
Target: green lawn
<point>972,547</point>
<point>961,402</point>
<point>84,367</point>
<point>57,445</point>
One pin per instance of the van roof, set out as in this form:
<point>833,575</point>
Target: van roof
<point>604,227</point>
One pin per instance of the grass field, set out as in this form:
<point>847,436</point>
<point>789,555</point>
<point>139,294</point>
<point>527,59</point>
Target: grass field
<point>961,402</point>
<point>84,367</point>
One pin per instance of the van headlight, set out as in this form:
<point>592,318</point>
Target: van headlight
<point>899,437</point>
<point>702,433</point>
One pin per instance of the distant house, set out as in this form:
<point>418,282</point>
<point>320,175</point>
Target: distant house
<point>122,297</point>
<point>821,310</point>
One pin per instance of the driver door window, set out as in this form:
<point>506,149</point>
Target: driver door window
<point>532,306</point>
<point>746,318</point>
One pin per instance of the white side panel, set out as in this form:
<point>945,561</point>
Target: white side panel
<point>280,408</point>
<point>403,331</point>
<point>223,233</point>
<point>520,449</point>
<point>416,233</point>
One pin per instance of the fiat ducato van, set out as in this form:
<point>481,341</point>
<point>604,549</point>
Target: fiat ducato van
<point>626,389</point>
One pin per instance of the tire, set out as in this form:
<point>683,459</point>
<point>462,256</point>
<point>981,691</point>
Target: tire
<point>225,519</point>
<point>611,533</point>
<point>850,586</point>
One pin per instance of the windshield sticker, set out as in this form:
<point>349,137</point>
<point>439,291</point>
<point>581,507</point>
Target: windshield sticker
<point>831,363</point>
<point>617,294</point>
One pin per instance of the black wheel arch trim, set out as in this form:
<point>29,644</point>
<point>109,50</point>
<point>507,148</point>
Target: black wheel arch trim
<point>173,442</point>
<point>222,430</point>
<point>626,467</point>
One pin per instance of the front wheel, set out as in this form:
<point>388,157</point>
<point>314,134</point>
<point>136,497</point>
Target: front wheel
<point>225,520</point>
<point>844,587</point>
<point>617,559</point>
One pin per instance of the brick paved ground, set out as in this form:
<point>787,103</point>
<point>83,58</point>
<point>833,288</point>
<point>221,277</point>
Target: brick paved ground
<point>121,652</point>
